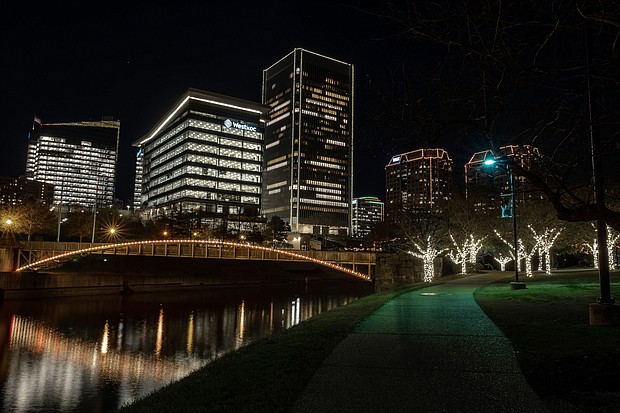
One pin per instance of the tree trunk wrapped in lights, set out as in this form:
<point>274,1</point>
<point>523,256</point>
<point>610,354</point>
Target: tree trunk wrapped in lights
<point>427,253</point>
<point>523,253</point>
<point>503,261</point>
<point>511,248</point>
<point>611,243</point>
<point>474,247</point>
<point>612,239</point>
<point>527,256</point>
<point>593,250</point>
<point>466,253</point>
<point>460,254</point>
<point>545,241</point>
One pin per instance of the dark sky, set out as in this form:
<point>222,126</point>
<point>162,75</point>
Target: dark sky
<point>133,60</point>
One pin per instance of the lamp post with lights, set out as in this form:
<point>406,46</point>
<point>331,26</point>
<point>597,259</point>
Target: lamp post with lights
<point>490,161</point>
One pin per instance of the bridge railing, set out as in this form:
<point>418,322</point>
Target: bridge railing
<point>45,252</point>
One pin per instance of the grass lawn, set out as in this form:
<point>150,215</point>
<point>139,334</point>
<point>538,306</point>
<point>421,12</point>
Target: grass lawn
<point>573,366</point>
<point>269,374</point>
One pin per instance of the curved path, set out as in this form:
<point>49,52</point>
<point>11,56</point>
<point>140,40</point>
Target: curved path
<point>430,350</point>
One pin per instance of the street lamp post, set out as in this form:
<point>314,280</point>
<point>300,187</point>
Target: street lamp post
<point>516,284</point>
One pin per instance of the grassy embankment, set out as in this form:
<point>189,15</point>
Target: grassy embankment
<point>572,366</point>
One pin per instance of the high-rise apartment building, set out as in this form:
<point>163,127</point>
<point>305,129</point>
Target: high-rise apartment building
<point>367,211</point>
<point>205,154</point>
<point>308,177</point>
<point>78,158</point>
<point>488,186</point>
<point>419,181</point>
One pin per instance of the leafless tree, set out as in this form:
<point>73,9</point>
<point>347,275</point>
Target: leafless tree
<point>526,72</point>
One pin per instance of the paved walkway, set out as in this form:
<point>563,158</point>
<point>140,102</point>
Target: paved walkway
<point>430,350</point>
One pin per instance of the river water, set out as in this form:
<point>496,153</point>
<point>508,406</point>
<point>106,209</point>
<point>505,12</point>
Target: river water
<point>77,354</point>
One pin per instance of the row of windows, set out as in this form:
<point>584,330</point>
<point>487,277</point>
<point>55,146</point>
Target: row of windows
<point>200,170</point>
<point>331,197</point>
<point>246,166</point>
<point>320,101</point>
<point>204,148</point>
<point>75,150</point>
<point>325,165</point>
<point>205,183</point>
<point>323,202</point>
<point>323,184</point>
<point>320,189</point>
<point>71,149</point>
<point>159,141</point>
<point>205,195</point>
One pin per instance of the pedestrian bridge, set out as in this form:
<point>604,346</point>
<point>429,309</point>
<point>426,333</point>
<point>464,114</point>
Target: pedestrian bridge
<point>38,255</point>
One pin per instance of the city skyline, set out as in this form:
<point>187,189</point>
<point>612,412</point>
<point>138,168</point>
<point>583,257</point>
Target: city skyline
<point>128,61</point>
<point>67,64</point>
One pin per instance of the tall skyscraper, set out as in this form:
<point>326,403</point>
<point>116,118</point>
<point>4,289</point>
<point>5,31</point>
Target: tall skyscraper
<point>308,177</point>
<point>205,154</point>
<point>367,211</point>
<point>418,182</point>
<point>78,158</point>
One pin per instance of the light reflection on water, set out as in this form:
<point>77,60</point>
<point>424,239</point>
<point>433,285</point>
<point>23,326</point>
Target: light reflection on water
<point>98,353</point>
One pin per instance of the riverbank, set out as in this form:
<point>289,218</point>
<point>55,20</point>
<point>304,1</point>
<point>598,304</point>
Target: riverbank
<point>572,366</point>
<point>116,274</point>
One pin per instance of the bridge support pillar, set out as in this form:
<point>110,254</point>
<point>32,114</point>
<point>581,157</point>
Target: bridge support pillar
<point>7,259</point>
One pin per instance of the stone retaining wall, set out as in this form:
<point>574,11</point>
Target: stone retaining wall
<point>397,269</point>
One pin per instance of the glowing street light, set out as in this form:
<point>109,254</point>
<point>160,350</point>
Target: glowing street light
<point>490,161</point>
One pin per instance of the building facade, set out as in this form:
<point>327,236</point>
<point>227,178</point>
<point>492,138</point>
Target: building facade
<point>206,155</point>
<point>488,187</point>
<point>137,186</point>
<point>419,181</point>
<point>78,158</point>
<point>308,177</point>
<point>367,211</point>
<point>16,191</point>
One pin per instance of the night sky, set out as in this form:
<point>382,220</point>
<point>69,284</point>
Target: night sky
<point>132,61</point>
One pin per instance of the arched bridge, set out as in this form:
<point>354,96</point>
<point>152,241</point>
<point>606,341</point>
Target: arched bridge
<point>39,255</point>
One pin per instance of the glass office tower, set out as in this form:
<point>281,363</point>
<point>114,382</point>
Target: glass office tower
<point>308,177</point>
<point>205,154</point>
<point>367,212</point>
<point>78,158</point>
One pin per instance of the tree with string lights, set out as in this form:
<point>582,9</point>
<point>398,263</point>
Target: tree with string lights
<point>503,260</point>
<point>427,251</point>
<point>545,240</point>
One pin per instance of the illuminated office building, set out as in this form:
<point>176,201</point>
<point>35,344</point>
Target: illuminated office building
<point>16,191</point>
<point>137,187</point>
<point>205,154</point>
<point>488,186</point>
<point>367,211</point>
<point>308,177</point>
<point>78,158</point>
<point>419,181</point>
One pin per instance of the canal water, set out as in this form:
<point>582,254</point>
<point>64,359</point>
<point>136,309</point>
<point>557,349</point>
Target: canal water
<point>95,354</point>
